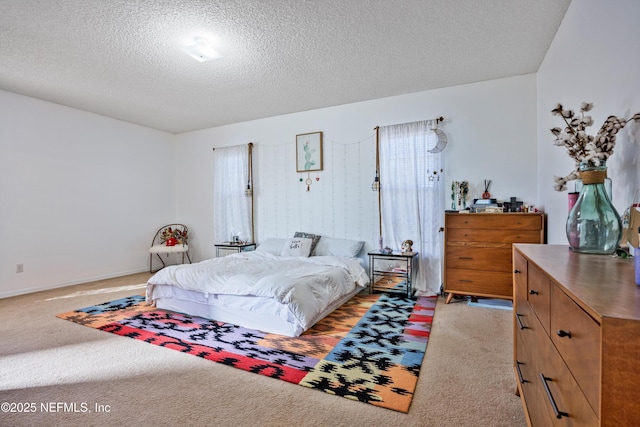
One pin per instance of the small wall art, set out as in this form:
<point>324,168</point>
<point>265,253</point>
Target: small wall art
<point>309,152</point>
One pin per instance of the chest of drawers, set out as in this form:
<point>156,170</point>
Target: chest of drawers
<point>477,251</point>
<point>576,337</point>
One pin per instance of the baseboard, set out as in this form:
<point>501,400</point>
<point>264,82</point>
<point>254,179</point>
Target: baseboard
<point>69,283</point>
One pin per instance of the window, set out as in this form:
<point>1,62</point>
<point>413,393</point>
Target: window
<point>412,194</point>
<point>231,208</point>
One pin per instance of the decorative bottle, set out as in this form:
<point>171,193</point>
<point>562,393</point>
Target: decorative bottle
<point>593,225</point>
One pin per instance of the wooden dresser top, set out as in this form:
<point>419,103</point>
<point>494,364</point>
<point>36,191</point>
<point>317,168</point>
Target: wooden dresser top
<point>604,286</point>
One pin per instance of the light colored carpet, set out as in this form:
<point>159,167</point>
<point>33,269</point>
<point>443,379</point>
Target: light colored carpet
<point>49,363</point>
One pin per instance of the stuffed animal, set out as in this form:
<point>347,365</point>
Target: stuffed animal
<point>406,246</point>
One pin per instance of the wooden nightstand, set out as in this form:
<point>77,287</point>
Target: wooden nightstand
<point>226,248</point>
<point>397,265</point>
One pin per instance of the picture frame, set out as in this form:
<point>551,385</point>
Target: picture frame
<point>309,152</point>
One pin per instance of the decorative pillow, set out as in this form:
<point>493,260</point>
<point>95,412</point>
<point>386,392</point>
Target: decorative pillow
<point>272,245</point>
<point>297,246</point>
<point>338,247</point>
<point>314,237</point>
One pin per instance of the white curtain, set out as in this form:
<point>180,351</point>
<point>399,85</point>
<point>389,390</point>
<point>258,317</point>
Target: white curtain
<point>412,196</point>
<point>231,208</point>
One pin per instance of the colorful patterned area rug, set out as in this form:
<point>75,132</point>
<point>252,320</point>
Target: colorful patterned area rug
<point>369,350</point>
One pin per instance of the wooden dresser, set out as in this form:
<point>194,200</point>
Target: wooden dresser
<point>576,337</point>
<point>477,251</point>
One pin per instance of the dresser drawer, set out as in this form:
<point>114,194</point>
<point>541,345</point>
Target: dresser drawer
<point>480,258</point>
<point>531,388</point>
<point>476,282</point>
<point>561,388</point>
<point>499,235</point>
<point>577,337</point>
<point>538,295</point>
<point>520,268</point>
<point>499,221</point>
<point>526,326</point>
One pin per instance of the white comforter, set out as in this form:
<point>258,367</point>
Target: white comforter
<point>306,285</point>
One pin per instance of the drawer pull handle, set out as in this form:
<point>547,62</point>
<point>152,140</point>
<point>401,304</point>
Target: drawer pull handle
<point>466,281</point>
<point>558,414</point>
<point>522,380</point>
<point>563,334</point>
<point>516,271</point>
<point>520,321</point>
<point>533,292</point>
<point>465,257</point>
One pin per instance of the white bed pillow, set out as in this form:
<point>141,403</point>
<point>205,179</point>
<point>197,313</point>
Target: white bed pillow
<point>338,247</point>
<point>272,245</point>
<point>297,246</point>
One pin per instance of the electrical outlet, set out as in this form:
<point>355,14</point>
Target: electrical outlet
<point>19,268</point>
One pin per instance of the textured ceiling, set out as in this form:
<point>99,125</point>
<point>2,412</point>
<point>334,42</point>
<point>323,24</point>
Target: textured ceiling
<point>122,58</point>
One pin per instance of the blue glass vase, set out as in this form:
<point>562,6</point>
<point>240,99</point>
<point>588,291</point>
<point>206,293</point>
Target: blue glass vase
<point>593,224</point>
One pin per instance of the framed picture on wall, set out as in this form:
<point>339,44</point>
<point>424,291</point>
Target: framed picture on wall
<point>309,152</point>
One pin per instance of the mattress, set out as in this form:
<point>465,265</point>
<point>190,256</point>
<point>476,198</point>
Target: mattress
<point>253,312</point>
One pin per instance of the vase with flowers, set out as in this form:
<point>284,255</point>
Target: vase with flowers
<point>593,225</point>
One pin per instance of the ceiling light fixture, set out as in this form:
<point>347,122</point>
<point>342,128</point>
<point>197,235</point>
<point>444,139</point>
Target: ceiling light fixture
<point>200,50</point>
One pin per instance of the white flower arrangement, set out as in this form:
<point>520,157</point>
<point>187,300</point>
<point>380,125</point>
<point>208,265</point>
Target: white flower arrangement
<point>581,147</point>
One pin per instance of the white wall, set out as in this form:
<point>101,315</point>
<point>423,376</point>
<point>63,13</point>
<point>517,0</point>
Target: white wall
<point>593,58</point>
<point>490,126</point>
<point>82,194</point>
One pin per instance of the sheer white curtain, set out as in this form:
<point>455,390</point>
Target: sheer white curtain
<point>231,208</point>
<point>412,195</point>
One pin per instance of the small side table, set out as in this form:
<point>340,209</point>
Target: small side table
<point>379,267</point>
<point>230,247</point>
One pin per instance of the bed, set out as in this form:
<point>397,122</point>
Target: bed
<point>278,288</point>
